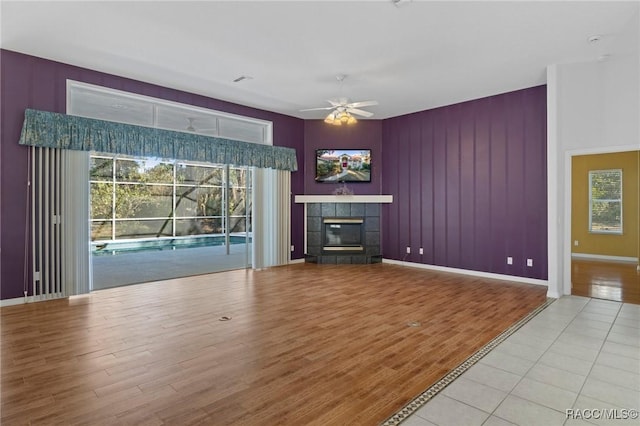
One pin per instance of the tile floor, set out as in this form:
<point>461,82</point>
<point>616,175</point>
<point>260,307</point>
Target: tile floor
<point>578,353</point>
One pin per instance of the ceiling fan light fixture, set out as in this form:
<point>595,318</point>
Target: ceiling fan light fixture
<point>338,118</point>
<point>333,119</point>
<point>345,117</point>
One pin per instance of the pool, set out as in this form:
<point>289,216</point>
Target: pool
<point>111,248</point>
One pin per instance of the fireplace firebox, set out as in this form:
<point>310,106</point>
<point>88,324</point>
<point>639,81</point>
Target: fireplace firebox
<point>343,235</point>
<point>342,232</point>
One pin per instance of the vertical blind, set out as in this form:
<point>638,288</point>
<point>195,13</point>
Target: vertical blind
<point>59,223</point>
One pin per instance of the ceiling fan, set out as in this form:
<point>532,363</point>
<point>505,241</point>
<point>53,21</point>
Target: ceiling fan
<point>342,110</point>
<point>193,129</point>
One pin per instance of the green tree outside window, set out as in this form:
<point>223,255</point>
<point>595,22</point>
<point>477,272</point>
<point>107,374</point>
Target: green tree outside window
<point>605,201</point>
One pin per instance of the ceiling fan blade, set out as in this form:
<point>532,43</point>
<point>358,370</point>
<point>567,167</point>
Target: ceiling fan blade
<point>359,112</point>
<point>362,104</point>
<point>316,109</point>
<point>339,102</point>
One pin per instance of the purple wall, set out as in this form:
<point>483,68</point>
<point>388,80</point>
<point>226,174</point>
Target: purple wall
<point>31,82</point>
<point>469,185</point>
<point>366,134</point>
<point>468,180</point>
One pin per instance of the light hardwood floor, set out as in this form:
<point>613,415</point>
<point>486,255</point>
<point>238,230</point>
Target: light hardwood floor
<point>605,280</point>
<point>306,344</point>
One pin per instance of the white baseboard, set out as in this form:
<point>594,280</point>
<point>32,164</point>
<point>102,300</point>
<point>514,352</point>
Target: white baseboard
<point>480,274</point>
<point>16,301</point>
<point>28,299</point>
<point>605,258</point>
<point>554,294</point>
<point>512,278</point>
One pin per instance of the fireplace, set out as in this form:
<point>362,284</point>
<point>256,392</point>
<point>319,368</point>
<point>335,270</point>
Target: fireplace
<point>364,208</point>
<point>343,235</point>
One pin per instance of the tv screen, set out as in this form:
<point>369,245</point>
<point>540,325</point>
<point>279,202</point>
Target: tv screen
<point>343,165</point>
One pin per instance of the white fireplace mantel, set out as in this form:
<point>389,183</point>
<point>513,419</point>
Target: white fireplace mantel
<point>343,199</point>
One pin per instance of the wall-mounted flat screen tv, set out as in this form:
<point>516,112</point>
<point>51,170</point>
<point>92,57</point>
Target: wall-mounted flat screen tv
<point>343,165</point>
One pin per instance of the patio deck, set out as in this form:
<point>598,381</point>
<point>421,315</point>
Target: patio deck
<point>155,265</point>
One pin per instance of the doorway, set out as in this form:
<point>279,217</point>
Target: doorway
<point>605,222</point>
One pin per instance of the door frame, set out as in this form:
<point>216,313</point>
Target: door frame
<point>568,213</point>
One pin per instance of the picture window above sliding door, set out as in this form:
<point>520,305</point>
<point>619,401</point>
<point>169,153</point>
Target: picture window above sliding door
<point>605,201</point>
<point>123,107</point>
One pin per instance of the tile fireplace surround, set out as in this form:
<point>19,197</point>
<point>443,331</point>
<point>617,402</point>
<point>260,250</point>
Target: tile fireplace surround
<point>366,207</point>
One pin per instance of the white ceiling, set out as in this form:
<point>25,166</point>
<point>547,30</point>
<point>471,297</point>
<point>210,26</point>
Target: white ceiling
<point>420,55</point>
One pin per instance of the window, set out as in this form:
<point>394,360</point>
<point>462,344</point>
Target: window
<point>605,201</point>
<point>148,198</point>
<point>123,107</point>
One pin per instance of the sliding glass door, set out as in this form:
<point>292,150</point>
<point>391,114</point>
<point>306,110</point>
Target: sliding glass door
<point>154,219</point>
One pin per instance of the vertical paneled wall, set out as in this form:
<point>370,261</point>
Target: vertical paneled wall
<point>469,185</point>
<point>31,82</point>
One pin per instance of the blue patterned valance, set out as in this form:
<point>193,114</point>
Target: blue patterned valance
<point>52,130</point>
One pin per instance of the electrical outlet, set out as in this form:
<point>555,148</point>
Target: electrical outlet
<point>408,250</point>
<point>529,262</point>
<point>509,260</point>
<point>575,243</point>
<point>421,250</point>
<point>293,247</point>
